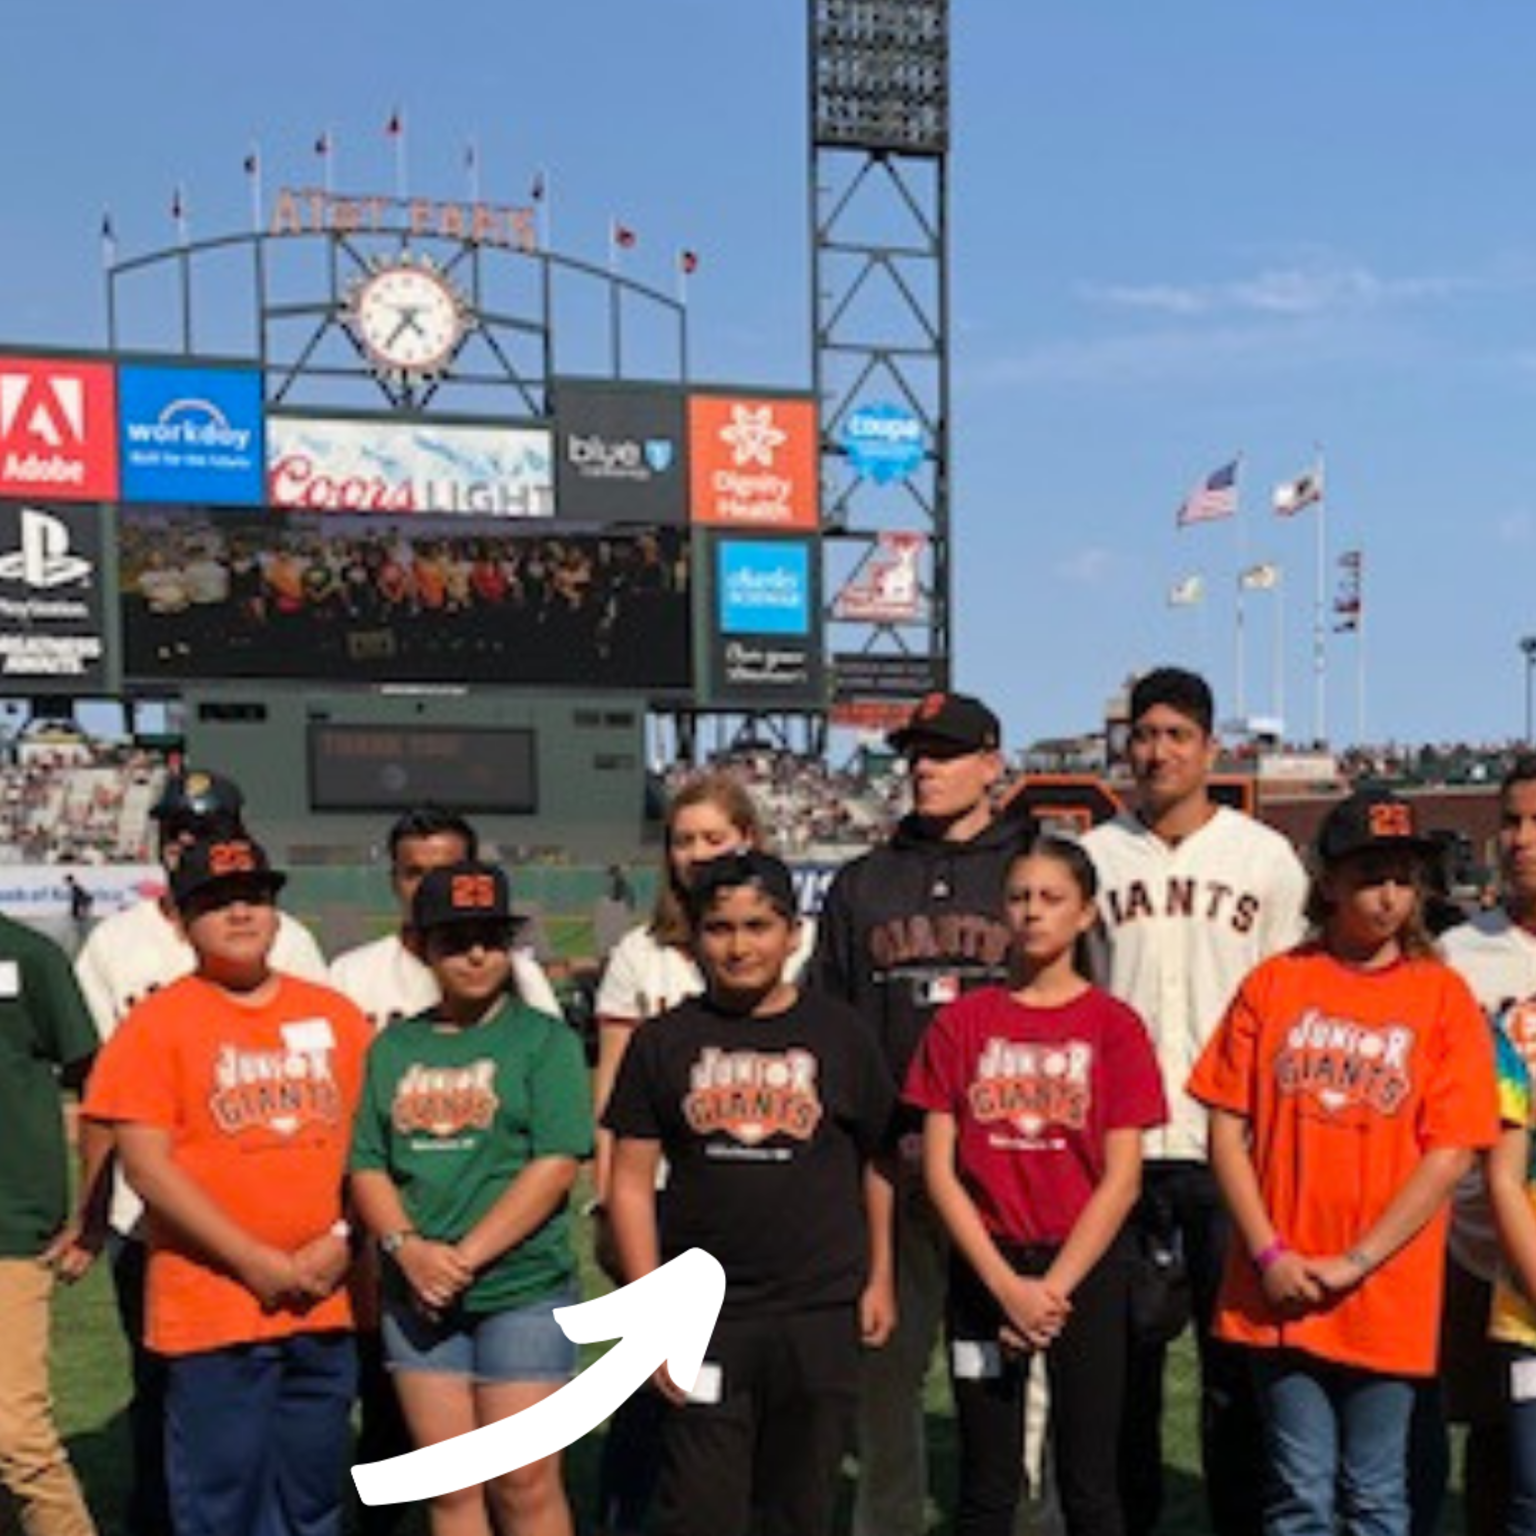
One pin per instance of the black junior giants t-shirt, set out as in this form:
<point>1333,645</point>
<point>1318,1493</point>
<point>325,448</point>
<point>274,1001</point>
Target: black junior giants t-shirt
<point>766,1124</point>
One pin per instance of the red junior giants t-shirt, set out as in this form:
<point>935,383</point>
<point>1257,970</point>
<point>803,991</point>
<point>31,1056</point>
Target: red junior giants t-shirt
<point>1034,1091</point>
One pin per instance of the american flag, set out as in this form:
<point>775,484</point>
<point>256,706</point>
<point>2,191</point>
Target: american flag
<point>1215,497</point>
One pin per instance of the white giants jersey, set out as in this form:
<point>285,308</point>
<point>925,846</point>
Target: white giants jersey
<point>1184,924</point>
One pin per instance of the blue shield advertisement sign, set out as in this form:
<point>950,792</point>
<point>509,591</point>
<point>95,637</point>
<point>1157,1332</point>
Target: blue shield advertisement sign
<point>191,434</point>
<point>883,442</point>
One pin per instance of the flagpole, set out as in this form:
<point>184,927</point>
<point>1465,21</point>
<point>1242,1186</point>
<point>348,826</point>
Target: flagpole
<point>397,122</point>
<point>472,167</point>
<point>1360,653</point>
<point>253,165</point>
<point>1320,616</point>
<point>1279,598</point>
<point>1240,690</point>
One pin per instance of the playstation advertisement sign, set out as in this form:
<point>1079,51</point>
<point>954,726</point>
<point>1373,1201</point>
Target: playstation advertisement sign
<point>52,633</point>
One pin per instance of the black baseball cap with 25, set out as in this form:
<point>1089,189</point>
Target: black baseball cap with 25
<point>228,865</point>
<point>1370,819</point>
<point>957,720</point>
<point>471,892</point>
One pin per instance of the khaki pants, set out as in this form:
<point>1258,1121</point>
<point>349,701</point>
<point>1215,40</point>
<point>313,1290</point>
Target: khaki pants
<point>34,1466</point>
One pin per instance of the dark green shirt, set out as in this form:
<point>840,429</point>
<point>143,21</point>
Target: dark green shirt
<point>44,1025</point>
<point>454,1115</point>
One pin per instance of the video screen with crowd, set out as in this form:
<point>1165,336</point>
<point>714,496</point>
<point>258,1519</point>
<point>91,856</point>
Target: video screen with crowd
<point>370,599</point>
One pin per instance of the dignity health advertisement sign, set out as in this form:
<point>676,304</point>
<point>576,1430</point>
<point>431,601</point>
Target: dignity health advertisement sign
<point>355,465</point>
<point>190,435</point>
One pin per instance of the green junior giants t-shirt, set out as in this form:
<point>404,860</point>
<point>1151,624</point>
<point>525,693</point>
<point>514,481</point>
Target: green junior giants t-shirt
<point>454,1115</point>
<point>44,1026</point>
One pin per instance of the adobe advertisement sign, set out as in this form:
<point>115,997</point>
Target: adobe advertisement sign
<point>191,434</point>
<point>619,453</point>
<point>753,462</point>
<point>355,465</point>
<point>58,430</point>
<point>51,608</point>
<point>765,646</point>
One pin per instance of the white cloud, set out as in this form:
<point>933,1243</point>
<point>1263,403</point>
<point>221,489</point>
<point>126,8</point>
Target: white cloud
<point>1515,528</point>
<point>1086,567</point>
<point>1307,288</point>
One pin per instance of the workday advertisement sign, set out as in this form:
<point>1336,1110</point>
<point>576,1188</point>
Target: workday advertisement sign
<point>191,435</point>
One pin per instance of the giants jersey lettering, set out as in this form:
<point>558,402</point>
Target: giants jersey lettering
<point>281,1091</point>
<point>445,1101</point>
<point>752,1095</point>
<point>1183,924</point>
<point>1338,1067</point>
<point>947,938</point>
<point>1033,1087</point>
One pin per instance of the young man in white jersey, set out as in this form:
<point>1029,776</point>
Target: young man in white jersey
<point>126,957</point>
<point>389,981</point>
<point>1192,895</point>
<point>1496,953</point>
<point>385,978</point>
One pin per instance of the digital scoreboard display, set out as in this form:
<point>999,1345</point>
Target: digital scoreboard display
<point>395,767</point>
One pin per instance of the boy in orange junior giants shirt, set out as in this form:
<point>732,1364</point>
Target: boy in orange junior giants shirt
<point>231,1095</point>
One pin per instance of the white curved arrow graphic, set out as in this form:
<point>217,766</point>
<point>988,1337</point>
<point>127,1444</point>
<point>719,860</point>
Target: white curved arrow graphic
<point>669,1315</point>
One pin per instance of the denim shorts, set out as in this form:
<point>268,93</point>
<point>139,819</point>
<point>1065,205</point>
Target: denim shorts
<point>516,1344</point>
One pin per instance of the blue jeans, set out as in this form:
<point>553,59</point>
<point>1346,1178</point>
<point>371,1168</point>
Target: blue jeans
<point>1337,1440</point>
<point>259,1438</point>
<point>1522,1449</point>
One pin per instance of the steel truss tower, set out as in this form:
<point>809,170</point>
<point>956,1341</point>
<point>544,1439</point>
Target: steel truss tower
<point>879,142</point>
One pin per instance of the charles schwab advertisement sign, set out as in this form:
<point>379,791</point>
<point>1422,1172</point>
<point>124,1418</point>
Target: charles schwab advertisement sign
<point>765,642</point>
<point>619,452</point>
<point>377,465</point>
<point>50,598</point>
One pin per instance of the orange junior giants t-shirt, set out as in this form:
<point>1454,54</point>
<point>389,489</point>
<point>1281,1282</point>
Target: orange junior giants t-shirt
<point>1346,1079</point>
<point>259,1104</point>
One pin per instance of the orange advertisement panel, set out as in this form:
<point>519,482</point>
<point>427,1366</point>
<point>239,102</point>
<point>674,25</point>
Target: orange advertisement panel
<point>58,429</point>
<point>753,462</point>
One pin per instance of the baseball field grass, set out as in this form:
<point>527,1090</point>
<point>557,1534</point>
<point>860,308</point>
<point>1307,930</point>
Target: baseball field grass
<point>91,1386</point>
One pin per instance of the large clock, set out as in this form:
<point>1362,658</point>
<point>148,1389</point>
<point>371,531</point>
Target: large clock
<point>407,318</point>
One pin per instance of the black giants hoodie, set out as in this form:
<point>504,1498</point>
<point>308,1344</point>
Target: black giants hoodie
<point>911,925</point>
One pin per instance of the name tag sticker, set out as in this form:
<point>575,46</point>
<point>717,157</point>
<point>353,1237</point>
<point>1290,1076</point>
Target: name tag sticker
<point>1522,1379</point>
<point>976,1359</point>
<point>709,1385</point>
<point>10,979</point>
<point>309,1035</point>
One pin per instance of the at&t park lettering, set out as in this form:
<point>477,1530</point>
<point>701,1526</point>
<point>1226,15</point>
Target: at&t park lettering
<point>306,211</point>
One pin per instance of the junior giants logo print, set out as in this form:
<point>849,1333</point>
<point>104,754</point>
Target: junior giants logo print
<point>1342,1064</point>
<point>281,1090</point>
<point>750,1096</point>
<point>444,1101</point>
<point>1033,1086</point>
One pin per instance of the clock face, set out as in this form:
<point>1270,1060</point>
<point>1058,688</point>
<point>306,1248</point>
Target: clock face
<point>408,319</point>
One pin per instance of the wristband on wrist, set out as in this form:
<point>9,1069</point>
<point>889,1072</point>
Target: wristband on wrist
<point>1361,1260</point>
<point>1264,1260</point>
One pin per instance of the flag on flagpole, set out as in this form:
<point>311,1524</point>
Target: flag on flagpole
<point>325,148</point>
<point>1348,606</point>
<point>323,143</point>
<point>179,214</point>
<point>1263,577</point>
<point>537,188</point>
<point>396,124</point>
<point>1215,497</point>
<point>623,236</point>
<point>253,176</point>
<point>1291,496</point>
<point>688,262</point>
<point>472,170</point>
<point>108,239</point>
<point>1186,593</point>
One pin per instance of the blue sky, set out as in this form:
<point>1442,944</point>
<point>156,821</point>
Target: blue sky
<point>1179,232</point>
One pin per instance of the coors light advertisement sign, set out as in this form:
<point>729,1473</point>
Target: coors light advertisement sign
<point>400,467</point>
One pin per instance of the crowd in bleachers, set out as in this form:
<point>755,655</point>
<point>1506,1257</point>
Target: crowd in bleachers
<point>78,803</point>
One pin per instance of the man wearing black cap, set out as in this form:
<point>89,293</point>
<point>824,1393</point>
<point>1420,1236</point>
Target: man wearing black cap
<point>905,929</point>
<point>127,957</point>
<point>229,1095</point>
